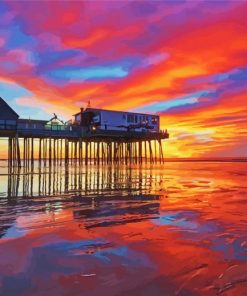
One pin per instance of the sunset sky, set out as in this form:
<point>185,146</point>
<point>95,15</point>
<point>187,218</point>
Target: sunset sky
<point>184,60</point>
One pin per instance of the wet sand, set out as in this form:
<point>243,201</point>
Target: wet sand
<point>172,229</point>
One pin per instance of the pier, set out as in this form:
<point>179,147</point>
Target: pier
<point>84,142</point>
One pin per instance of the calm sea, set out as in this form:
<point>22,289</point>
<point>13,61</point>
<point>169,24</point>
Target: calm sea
<point>179,228</point>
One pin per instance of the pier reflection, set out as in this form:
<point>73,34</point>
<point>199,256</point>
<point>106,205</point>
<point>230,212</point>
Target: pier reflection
<point>69,180</point>
<point>95,197</point>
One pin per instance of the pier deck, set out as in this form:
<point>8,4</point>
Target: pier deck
<point>98,146</point>
<point>77,132</point>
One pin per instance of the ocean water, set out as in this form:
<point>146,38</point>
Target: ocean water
<point>179,228</point>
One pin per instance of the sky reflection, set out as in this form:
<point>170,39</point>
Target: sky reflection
<point>173,230</point>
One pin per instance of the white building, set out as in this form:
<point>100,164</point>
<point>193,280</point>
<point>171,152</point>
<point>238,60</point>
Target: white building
<point>117,120</point>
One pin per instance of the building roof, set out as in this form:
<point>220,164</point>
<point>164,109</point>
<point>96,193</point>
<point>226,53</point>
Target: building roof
<point>55,121</point>
<point>126,112</point>
<point>6,112</point>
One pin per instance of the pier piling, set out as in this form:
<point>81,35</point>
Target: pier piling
<point>83,150</point>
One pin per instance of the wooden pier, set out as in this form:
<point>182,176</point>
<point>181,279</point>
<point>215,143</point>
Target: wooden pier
<point>131,140</point>
<point>92,148</point>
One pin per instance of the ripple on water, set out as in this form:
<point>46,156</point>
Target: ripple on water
<point>179,228</point>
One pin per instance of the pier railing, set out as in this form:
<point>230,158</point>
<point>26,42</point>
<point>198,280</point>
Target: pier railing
<point>74,131</point>
<point>8,127</point>
<point>43,133</point>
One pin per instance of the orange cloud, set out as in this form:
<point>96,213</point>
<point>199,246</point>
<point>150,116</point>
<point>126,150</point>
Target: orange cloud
<point>204,46</point>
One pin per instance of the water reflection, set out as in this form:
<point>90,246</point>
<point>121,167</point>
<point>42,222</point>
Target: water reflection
<point>108,196</point>
<point>78,181</point>
<point>119,230</point>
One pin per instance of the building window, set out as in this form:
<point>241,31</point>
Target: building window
<point>10,122</point>
<point>154,120</point>
<point>136,119</point>
<point>124,117</point>
<point>130,118</point>
<point>144,119</point>
<point>2,124</point>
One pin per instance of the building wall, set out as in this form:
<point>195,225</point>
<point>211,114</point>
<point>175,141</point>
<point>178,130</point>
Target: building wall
<point>111,120</point>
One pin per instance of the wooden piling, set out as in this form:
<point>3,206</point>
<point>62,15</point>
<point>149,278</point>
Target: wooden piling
<point>84,150</point>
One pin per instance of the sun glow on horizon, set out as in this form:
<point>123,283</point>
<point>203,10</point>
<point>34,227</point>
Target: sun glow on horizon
<point>183,61</point>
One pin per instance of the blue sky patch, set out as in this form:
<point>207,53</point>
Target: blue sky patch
<point>90,73</point>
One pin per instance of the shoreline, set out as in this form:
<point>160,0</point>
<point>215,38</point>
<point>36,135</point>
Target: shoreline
<point>190,160</point>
